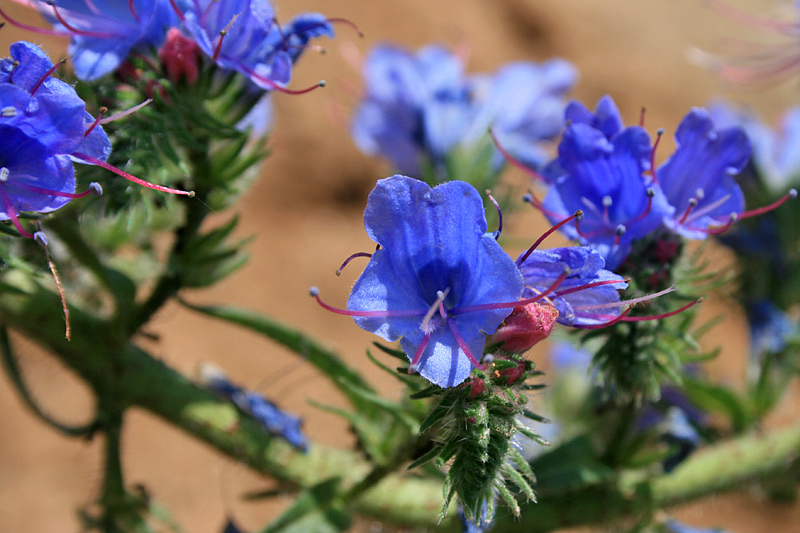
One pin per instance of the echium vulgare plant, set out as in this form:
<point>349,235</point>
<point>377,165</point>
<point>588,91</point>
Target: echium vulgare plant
<point>112,161</point>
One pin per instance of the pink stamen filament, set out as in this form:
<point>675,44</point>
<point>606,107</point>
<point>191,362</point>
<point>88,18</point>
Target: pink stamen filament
<point>94,124</point>
<point>75,30</point>
<point>34,29</point>
<point>222,35</point>
<point>640,216</point>
<point>634,301</point>
<point>250,72</point>
<point>347,312</point>
<point>130,177</point>
<point>641,116</point>
<point>706,209</point>
<point>133,10</point>
<point>177,10</point>
<point>437,305</point>
<point>46,75</point>
<point>418,355</point>
<point>125,113</point>
<point>587,286</point>
<point>511,305</point>
<point>58,194</point>
<point>664,315</point>
<point>761,210</point>
<point>604,324</point>
<point>12,214</point>
<point>751,20</point>
<point>659,134</point>
<point>499,213</point>
<point>692,205</point>
<point>280,31</point>
<point>546,234</point>
<point>347,261</point>
<point>346,22</point>
<point>514,161</point>
<point>463,346</point>
<point>720,229</point>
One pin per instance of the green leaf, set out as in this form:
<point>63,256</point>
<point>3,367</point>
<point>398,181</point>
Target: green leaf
<point>571,465</point>
<point>316,509</point>
<point>370,434</point>
<point>717,399</point>
<point>342,376</point>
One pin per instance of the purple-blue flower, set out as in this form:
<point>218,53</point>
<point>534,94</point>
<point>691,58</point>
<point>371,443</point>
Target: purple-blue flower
<point>604,174</point>
<point>420,108</point>
<point>44,125</point>
<point>587,296</point>
<point>277,422</point>
<point>243,36</point>
<point>103,34</point>
<point>699,177</point>
<point>439,282</point>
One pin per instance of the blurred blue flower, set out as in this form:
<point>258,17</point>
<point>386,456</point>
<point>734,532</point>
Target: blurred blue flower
<point>243,36</point>
<point>587,296</point>
<point>439,282</point>
<point>776,152</point>
<point>770,327</point>
<point>482,524</point>
<point>42,123</point>
<point>420,107</point>
<point>673,526</point>
<point>274,420</point>
<point>605,178</point>
<point>566,356</point>
<point>699,177</point>
<point>104,34</point>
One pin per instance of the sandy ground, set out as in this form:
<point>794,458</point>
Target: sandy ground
<point>305,214</point>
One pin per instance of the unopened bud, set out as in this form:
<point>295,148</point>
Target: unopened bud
<point>524,327</point>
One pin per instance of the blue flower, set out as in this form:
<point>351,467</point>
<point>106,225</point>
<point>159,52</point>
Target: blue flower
<point>243,36</point>
<point>770,327</point>
<point>44,126</point>
<point>439,282</point>
<point>587,296</point>
<point>274,420</point>
<point>673,526</point>
<point>419,108</point>
<point>604,178</point>
<point>103,35</point>
<point>698,178</point>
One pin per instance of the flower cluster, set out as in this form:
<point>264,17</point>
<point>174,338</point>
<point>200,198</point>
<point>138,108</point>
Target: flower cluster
<point>421,107</point>
<point>607,171</point>
<point>259,48</point>
<point>45,127</point>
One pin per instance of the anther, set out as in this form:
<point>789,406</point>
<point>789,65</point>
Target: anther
<point>4,172</point>
<point>8,111</point>
<point>222,35</point>
<point>347,261</point>
<point>340,20</point>
<point>499,214</point>
<point>699,193</point>
<point>94,124</point>
<point>607,201</point>
<point>659,134</point>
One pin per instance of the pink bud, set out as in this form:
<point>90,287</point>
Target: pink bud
<point>524,327</point>
<point>180,57</point>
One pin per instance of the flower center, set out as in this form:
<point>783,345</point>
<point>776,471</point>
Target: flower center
<point>430,322</point>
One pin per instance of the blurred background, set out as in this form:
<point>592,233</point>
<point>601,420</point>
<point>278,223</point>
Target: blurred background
<point>305,216</point>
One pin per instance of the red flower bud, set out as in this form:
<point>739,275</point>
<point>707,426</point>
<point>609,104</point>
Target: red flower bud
<point>525,326</point>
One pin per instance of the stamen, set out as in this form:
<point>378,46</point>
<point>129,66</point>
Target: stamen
<point>665,315</point>
<point>177,10</point>
<point>314,292</point>
<point>578,214</point>
<point>641,116</point>
<point>133,10</point>
<point>604,324</point>
<point>634,301</point>
<point>619,231</point>
<point>464,348</point>
<point>499,214</point>
<point>531,198</point>
<point>589,286</point>
<point>761,210</point>
<point>723,228</point>
<point>12,214</point>
<point>94,124</point>
<point>222,35</point>
<point>707,209</point>
<point>510,305</point>
<point>250,72</point>
<point>8,111</point>
<point>437,305</point>
<point>4,172</point>
<point>41,238</point>
<point>77,31</point>
<point>412,368</point>
<point>347,261</point>
<point>659,134</point>
<point>340,20</point>
<point>46,75</point>
<point>692,205</point>
<point>514,161</point>
<point>650,192</point>
<point>94,188</point>
<point>125,113</point>
<point>34,29</point>
<point>130,177</point>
